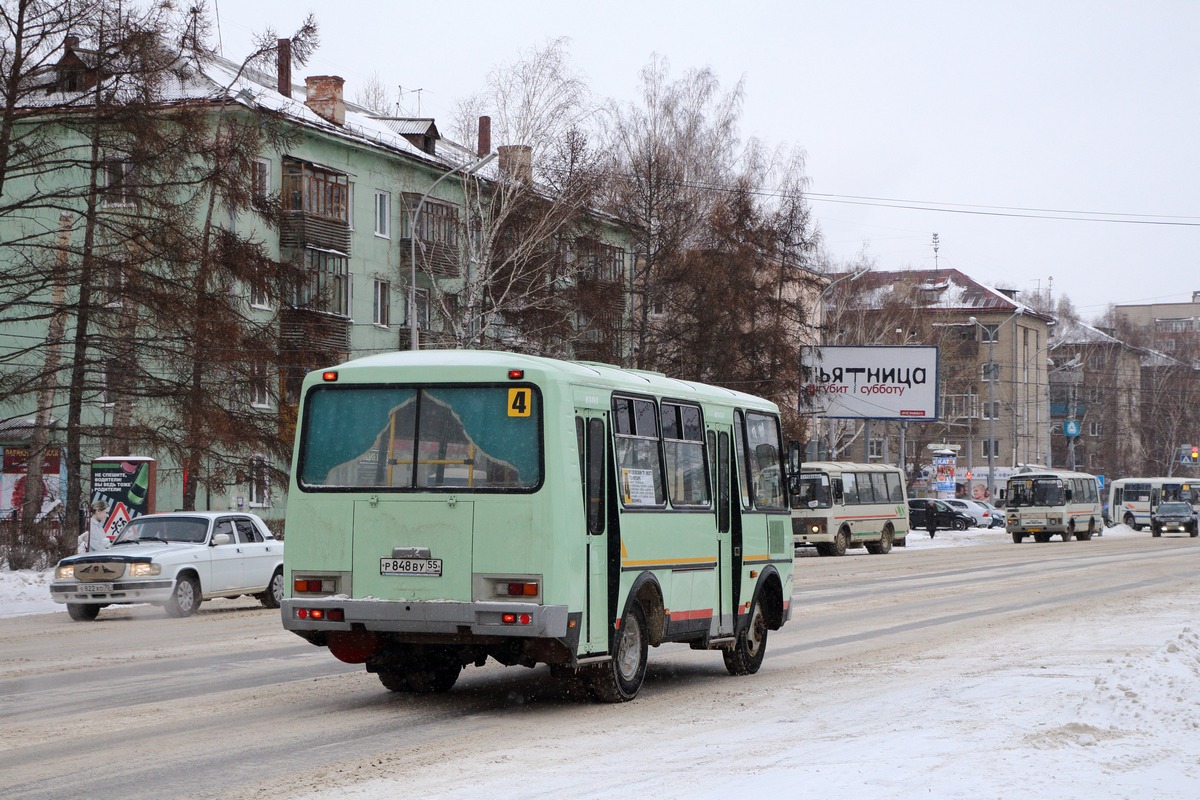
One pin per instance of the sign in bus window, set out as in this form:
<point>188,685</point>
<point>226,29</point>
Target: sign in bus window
<point>371,437</point>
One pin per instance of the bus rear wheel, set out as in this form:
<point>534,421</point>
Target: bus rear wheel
<point>619,679</point>
<point>884,545</point>
<point>1069,533</point>
<point>747,653</point>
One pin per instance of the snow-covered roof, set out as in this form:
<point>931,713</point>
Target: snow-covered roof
<point>945,289</point>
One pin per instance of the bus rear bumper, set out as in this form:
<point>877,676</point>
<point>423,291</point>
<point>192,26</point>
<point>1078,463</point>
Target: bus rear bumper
<point>424,616</point>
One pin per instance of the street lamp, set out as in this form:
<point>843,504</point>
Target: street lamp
<point>992,334</point>
<point>466,169</point>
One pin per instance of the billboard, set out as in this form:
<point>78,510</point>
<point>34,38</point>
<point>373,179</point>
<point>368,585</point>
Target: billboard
<point>122,488</point>
<point>872,382</point>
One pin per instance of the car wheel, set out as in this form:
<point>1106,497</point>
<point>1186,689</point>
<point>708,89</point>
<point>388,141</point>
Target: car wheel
<point>435,671</point>
<point>747,653</point>
<point>960,525</point>
<point>619,679</point>
<point>83,612</point>
<point>185,599</point>
<point>272,597</point>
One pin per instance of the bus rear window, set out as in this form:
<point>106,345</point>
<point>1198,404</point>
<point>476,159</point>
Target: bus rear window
<point>467,438</point>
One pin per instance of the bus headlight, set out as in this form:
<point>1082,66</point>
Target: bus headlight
<point>1054,519</point>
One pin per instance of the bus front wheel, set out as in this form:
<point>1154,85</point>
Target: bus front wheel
<point>747,653</point>
<point>619,679</point>
<point>841,543</point>
<point>1069,533</point>
<point>1018,537</point>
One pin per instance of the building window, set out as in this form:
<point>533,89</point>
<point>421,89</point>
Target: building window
<point>875,449</point>
<point>381,303</point>
<point>599,261</point>
<point>989,371</point>
<point>325,287</point>
<point>422,309</point>
<point>1095,429</point>
<point>991,447</point>
<point>383,214</point>
<point>258,482</point>
<point>991,410</point>
<point>989,333</point>
<point>116,177</point>
<point>261,182</point>
<point>259,389</point>
<point>321,193</point>
<point>437,224</point>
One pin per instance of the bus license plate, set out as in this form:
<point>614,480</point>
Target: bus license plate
<point>95,588</point>
<point>1033,530</point>
<point>411,566</point>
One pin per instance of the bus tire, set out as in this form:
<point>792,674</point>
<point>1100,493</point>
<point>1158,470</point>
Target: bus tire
<point>746,654</point>
<point>619,679</point>
<point>1128,520</point>
<point>435,671</point>
<point>884,545</point>
<point>841,543</point>
<point>1069,533</point>
<point>394,681</point>
<point>1018,537</point>
<point>83,612</point>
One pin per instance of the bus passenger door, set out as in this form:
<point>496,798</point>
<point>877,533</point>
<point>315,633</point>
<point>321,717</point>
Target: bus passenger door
<point>593,437</point>
<point>725,601</point>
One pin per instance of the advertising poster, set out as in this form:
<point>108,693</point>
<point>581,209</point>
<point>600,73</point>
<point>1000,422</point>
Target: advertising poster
<point>13,483</point>
<point>122,488</point>
<point>943,475</point>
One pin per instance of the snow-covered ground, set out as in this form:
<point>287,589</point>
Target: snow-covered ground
<point>1020,716</point>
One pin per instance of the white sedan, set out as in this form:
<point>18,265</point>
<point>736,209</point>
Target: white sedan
<point>175,560</point>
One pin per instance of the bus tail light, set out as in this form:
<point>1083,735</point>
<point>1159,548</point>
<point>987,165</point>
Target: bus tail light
<point>321,614</point>
<point>516,589</point>
<point>512,587</point>
<point>510,618</point>
<point>314,585</point>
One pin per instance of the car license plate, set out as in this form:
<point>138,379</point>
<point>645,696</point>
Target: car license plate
<point>411,566</point>
<point>95,588</point>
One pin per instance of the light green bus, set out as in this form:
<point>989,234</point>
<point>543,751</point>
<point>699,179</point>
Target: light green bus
<point>451,506</point>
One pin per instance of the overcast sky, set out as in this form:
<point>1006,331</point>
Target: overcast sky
<point>992,113</point>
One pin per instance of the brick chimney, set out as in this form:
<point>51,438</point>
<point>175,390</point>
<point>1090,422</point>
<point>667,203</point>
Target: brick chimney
<point>485,136</point>
<point>516,161</point>
<point>324,97</point>
<point>283,67</point>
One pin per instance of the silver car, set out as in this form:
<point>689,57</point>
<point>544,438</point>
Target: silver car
<point>175,560</point>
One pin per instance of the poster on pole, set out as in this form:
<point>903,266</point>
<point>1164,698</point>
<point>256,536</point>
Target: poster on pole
<point>872,382</point>
<point>122,489</point>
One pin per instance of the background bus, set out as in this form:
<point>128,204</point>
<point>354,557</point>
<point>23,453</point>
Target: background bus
<point>1131,501</point>
<point>840,504</point>
<point>1043,503</point>
<point>449,507</point>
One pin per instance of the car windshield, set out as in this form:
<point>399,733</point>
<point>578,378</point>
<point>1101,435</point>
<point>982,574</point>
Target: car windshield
<point>166,529</point>
<point>1174,508</point>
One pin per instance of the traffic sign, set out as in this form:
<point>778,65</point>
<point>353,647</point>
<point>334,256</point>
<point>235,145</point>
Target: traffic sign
<point>1071,427</point>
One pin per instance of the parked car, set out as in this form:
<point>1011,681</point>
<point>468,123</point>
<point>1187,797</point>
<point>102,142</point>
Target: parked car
<point>981,517</point>
<point>1173,516</point>
<point>175,560</point>
<point>947,516</point>
<point>996,514</point>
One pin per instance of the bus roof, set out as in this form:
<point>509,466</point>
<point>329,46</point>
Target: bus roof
<point>478,365</point>
<point>847,466</point>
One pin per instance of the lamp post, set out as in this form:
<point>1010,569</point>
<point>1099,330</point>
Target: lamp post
<point>991,446</point>
<point>853,276</point>
<point>413,216</point>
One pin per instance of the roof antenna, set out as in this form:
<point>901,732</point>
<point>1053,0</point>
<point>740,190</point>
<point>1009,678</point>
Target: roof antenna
<point>935,251</point>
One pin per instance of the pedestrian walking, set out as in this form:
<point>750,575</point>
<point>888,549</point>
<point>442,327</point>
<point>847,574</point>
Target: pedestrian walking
<point>931,518</point>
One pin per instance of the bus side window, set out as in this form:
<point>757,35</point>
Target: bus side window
<point>839,495</point>
<point>723,483</point>
<point>594,485</point>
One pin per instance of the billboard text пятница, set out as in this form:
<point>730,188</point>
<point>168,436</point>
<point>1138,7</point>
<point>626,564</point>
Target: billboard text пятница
<point>879,382</point>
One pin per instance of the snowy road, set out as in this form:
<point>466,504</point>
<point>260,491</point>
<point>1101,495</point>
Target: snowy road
<point>1034,670</point>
